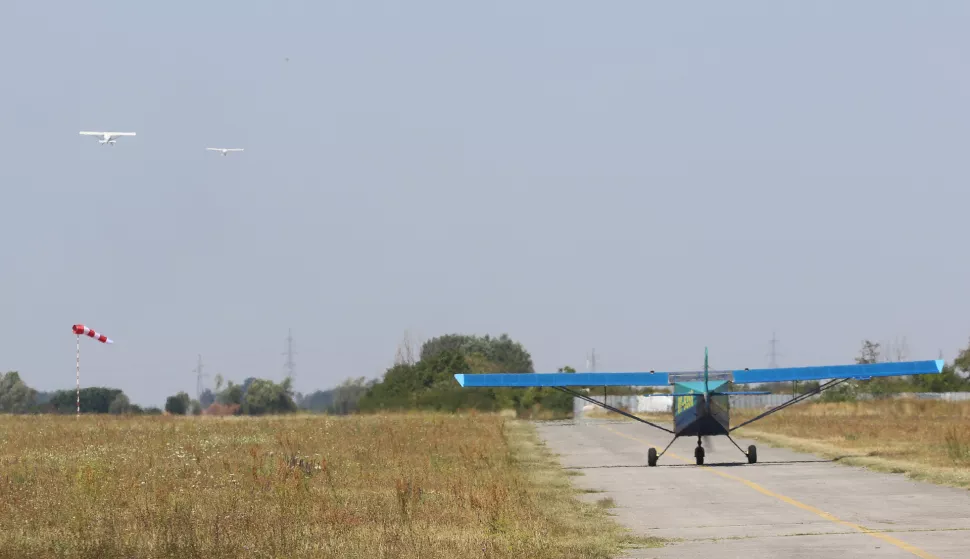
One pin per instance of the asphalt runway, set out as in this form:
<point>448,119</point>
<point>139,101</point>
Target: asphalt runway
<point>788,505</point>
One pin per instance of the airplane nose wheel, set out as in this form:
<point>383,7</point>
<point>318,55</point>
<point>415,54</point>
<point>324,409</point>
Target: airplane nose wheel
<point>699,453</point>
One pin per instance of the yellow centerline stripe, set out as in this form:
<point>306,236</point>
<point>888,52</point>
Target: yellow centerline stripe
<point>831,518</point>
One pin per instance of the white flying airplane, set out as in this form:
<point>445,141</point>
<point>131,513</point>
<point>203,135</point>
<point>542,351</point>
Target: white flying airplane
<point>224,151</point>
<point>108,137</point>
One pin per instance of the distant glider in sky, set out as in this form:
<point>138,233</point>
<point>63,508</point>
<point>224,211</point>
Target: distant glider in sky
<point>107,137</point>
<point>224,151</point>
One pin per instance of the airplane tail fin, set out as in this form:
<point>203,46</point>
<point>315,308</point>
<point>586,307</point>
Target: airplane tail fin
<point>706,389</point>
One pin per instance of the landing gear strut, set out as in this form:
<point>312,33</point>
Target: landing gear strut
<point>752,452</point>
<point>699,452</point>
<point>652,455</point>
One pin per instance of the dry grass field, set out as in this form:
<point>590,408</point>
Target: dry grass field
<point>925,439</point>
<point>409,486</point>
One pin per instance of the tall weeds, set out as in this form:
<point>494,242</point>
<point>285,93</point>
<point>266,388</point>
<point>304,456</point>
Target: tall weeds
<point>928,432</point>
<point>957,441</point>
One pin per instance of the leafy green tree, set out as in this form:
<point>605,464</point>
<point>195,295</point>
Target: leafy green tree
<point>507,355</point>
<point>869,353</point>
<point>207,398</point>
<point>266,397</point>
<point>424,384</point>
<point>948,380</point>
<point>246,384</point>
<point>95,399</point>
<point>347,395</point>
<point>178,404</point>
<point>317,401</point>
<point>233,394</point>
<point>848,390</point>
<point>430,384</point>
<point>15,395</point>
<point>448,342</point>
<point>119,405</point>
<point>342,399</point>
<point>962,366</point>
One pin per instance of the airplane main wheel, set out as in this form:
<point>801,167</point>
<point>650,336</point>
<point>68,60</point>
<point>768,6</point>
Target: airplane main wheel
<point>699,455</point>
<point>652,457</point>
<point>752,454</point>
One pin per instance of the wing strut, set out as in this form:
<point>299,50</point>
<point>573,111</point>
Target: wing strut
<point>800,398</point>
<point>609,407</point>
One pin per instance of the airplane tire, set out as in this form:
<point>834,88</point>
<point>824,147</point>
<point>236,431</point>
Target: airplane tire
<point>699,455</point>
<point>652,457</point>
<point>752,454</point>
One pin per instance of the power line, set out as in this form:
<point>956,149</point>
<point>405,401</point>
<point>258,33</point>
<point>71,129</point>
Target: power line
<point>591,367</point>
<point>773,363</point>
<point>773,354</point>
<point>290,365</point>
<point>198,379</point>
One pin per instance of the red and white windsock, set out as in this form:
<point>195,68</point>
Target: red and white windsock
<point>82,330</point>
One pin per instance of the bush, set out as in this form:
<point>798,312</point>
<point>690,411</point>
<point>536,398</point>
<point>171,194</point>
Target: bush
<point>120,405</point>
<point>178,404</point>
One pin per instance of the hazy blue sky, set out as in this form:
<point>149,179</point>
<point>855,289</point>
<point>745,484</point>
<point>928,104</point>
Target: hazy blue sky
<point>638,177</point>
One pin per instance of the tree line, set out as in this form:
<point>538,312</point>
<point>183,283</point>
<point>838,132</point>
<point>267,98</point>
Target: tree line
<point>17,397</point>
<point>421,379</point>
<point>424,379</point>
<point>955,377</point>
<point>254,396</point>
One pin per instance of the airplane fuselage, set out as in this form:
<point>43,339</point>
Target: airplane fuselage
<point>699,409</point>
<point>107,138</point>
<point>700,414</point>
<point>224,151</point>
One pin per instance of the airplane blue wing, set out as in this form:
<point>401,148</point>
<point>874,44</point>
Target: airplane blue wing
<point>741,376</point>
<point>563,379</point>
<point>865,371</point>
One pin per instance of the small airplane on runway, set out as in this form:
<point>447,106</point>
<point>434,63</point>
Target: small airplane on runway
<point>699,408</point>
<point>224,151</point>
<point>107,137</point>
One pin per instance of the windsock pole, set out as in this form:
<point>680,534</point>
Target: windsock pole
<point>79,329</point>
<point>78,375</point>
